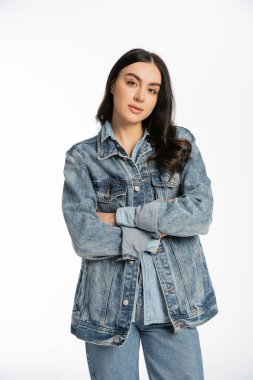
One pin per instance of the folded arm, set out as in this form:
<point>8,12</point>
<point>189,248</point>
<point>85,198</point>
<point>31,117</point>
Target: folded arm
<point>189,214</point>
<point>110,217</point>
<point>92,238</point>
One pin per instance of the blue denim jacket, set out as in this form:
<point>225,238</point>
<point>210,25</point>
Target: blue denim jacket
<point>99,176</point>
<point>155,310</point>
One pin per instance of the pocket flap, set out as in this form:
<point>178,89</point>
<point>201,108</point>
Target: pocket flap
<point>107,192</point>
<point>162,180</point>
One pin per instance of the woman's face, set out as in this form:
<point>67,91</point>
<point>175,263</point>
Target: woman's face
<point>137,85</point>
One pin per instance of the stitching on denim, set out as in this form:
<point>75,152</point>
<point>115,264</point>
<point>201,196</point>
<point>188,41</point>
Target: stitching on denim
<point>176,253</point>
<point>78,161</point>
<point>105,305</point>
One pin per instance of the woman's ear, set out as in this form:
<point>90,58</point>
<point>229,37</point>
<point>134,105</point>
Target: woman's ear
<point>112,88</point>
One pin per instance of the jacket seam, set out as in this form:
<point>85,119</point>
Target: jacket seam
<point>79,322</point>
<point>78,161</point>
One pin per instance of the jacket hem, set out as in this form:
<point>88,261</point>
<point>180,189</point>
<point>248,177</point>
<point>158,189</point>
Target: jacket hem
<point>198,319</point>
<point>98,334</point>
<point>105,336</point>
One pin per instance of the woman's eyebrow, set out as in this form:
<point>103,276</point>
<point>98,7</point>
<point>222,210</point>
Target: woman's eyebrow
<point>139,79</point>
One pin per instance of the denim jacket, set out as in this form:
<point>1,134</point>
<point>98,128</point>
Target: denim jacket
<point>154,306</point>
<point>100,177</point>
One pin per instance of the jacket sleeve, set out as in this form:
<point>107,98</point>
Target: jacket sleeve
<point>91,238</point>
<point>189,214</point>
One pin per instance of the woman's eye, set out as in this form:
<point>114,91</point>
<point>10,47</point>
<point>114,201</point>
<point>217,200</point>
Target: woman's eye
<point>131,81</point>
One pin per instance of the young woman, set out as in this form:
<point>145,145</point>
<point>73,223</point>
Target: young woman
<point>136,197</point>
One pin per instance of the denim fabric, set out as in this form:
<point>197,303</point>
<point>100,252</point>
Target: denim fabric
<point>99,176</point>
<point>154,302</point>
<point>188,215</point>
<point>167,355</point>
<point>154,305</point>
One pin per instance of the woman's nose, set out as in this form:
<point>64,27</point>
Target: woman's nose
<point>139,95</point>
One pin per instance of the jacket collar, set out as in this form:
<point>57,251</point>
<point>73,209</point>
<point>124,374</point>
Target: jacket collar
<point>107,142</point>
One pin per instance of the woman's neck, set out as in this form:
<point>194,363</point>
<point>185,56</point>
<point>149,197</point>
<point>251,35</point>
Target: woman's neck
<point>128,135</point>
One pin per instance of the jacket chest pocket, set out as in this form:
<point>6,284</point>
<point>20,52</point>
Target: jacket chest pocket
<point>110,196</point>
<point>165,188</point>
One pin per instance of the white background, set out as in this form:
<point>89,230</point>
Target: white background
<point>55,56</point>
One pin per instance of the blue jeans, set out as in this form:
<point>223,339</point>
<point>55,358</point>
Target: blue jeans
<point>168,356</point>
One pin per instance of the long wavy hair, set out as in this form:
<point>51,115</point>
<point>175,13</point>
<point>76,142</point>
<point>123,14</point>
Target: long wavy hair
<point>171,153</point>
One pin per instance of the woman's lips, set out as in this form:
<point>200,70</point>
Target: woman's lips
<point>134,110</point>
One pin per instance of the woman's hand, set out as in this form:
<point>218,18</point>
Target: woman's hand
<point>107,217</point>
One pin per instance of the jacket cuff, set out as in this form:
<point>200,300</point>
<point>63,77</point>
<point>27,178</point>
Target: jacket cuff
<point>143,217</point>
<point>125,216</point>
<point>146,216</point>
<point>134,242</point>
<point>153,245</point>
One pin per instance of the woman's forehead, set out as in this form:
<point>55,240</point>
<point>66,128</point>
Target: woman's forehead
<point>143,71</point>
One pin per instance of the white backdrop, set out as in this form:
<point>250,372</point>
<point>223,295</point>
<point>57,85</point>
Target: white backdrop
<point>55,56</point>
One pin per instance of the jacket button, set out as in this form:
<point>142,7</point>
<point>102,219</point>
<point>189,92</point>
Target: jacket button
<point>125,302</point>
<point>136,188</point>
<point>130,261</point>
<point>116,339</point>
<point>169,289</point>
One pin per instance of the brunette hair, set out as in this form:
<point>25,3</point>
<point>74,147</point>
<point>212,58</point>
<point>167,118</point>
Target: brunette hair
<point>171,152</point>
